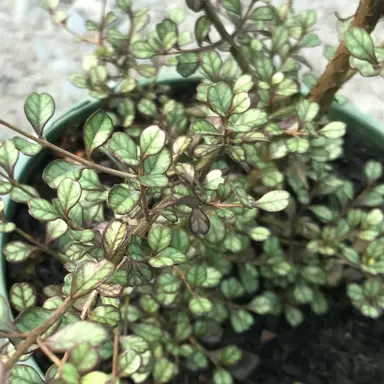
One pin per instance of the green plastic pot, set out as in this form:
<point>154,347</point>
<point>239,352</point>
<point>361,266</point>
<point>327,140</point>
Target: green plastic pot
<point>369,131</point>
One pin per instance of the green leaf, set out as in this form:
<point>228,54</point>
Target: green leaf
<point>199,305</point>
<point>297,144</point>
<point>24,374</point>
<point>164,370</point>
<point>8,156</point>
<point>187,64</point>
<point>88,276</point>
<point>68,193</point>
<point>55,229</point>
<point>240,103</point>
<point>202,28</point>
<point>23,193</point>
<point>310,40</point>
<point>259,233</point>
<point>113,237</point>
<point>204,127</point>
<point>159,238</point>
<point>307,110</point>
<point>220,98</point>
<point>122,199</point>
<point>84,357</point>
<point>158,164</point>
<point>97,130</point>
<point>229,355</point>
<point>260,305</point>
<point>233,7</point>
<point>59,170</point>
<point>373,171</point>
<point>22,296</point>
<point>154,181</point>
<point>147,107</point>
<point>28,148</point>
<point>221,376</point>
<point>7,227</point>
<point>333,130</point>
<point>280,38</point>
<point>166,258</point>
<point>273,201</point>
<point>241,320</point>
<point>360,44</point>
<point>39,108</point>
<point>263,13</point>
<point>294,316</point>
<point>124,148</point>
<point>125,5</point>
<point>17,251</point>
<point>244,122</point>
<point>243,84</point>
<point>142,50</point>
<point>76,333</point>
<point>32,318</point>
<point>5,187</point>
<point>213,180</point>
<point>129,362</point>
<point>152,141</point>
<point>42,210</point>
<point>211,63</point>
<point>105,314</point>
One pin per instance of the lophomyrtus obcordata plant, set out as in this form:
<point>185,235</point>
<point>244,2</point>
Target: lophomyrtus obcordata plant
<point>192,231</point>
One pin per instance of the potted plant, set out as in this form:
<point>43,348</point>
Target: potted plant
<point>176,221</point>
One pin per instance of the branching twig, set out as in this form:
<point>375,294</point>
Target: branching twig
<point>81,160</point>
<point>32,337</point>
<point>337,71</point>
<point>211,13</point>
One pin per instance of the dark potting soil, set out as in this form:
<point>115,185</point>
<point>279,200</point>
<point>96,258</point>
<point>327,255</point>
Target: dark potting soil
<point>341,347</point>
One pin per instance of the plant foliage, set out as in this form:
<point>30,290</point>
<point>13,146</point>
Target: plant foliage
<point>217,209</point>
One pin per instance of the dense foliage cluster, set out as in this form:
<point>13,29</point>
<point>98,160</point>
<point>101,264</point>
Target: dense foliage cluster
<point>215,210</point>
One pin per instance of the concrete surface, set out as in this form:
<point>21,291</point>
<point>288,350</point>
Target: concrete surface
<point>38,56</point>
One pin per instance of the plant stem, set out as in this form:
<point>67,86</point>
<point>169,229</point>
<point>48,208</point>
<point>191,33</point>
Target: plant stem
<point>83,316</point>
<point>184,279</point>
<point>194,50</point>
<point>235,50</point>
<point>143,194</point>
<point>31,339</point>
<point>16,184</point>
<point>70,155</point>
<point>48,352</point>
<point>37,243</point>
<point>102,21</point>
<point>337,71</point>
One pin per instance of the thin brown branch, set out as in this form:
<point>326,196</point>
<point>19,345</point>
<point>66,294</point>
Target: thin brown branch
<point>102,21</point>
<point>37,243</point>
<point>63,152</point>
<point>23,348</point>
<point>16,184</point>
<point>206,48</point>
<point>84,312</point>
<point>337,71</point>
<point>211,13</point>
<point>143,194</point>
<point>48,352</point>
